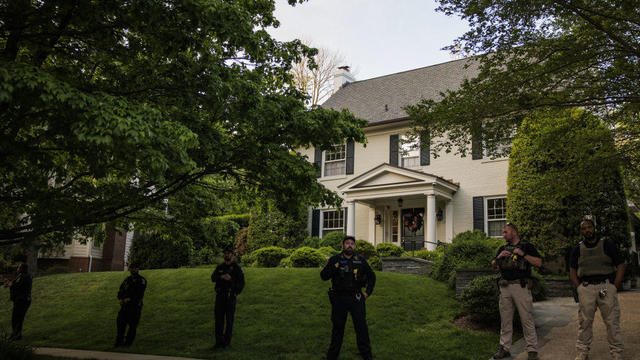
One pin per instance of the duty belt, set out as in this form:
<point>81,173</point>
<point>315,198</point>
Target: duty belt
<point>594,282</point>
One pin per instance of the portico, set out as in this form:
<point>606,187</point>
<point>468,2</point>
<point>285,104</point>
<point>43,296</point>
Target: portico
<point>403,206</point>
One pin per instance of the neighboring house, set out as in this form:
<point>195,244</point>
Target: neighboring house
<point>89,257</point>
<point>398,192</point>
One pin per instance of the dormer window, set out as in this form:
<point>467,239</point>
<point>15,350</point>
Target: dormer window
<point>335,161</point>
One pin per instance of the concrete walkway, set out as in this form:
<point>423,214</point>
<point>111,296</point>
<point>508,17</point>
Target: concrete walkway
<point>101,355</point>
<point>557,327</point>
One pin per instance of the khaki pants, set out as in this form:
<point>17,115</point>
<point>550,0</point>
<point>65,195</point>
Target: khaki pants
<point>514,296</point>
<point>610,312</point>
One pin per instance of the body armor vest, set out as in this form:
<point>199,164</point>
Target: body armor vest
<point>594,261</point>
<point>513,261</point>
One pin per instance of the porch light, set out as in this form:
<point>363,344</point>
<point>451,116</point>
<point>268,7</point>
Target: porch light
<point>439,214</point>
<point>399,202</point>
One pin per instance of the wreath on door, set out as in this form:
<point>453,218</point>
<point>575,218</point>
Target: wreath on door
<point>413,222</point>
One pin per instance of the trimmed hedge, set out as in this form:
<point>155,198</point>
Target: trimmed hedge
<point>333,239</point>
<point>388,249</point>
<point>376,263</point>
<point>152,250</point>
<point>312,241</point>
<point>241,219</point>
<point>307,257</point>
<point>270,256</point>
<point>365,249</point>
<point>328,251</point>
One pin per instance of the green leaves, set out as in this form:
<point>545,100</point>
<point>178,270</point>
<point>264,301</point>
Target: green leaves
<point>107,108</point>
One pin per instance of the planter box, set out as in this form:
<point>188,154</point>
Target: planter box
<point>406,265</point>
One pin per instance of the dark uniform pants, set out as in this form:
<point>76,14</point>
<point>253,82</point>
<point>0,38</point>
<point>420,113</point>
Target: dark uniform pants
<point>20,308</point>
<point>129,315</point>
<point>225,309</point>
<point>341,305</point>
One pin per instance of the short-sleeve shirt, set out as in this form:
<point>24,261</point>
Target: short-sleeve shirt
<point>610,249</point>
<point>516,274</point>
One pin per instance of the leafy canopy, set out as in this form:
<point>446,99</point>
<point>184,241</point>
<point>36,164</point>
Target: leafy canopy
<point>536,54</point>
<point>564,166</point>
<point>107,107</point>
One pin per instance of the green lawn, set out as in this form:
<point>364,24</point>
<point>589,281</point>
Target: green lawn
<point>282,314</point>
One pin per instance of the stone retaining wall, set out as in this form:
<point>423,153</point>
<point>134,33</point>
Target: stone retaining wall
<point>558,287</point>
<point>464,277</point>
<point>406,265</point>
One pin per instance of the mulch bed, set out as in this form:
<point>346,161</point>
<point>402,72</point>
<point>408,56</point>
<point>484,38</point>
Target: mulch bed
<point>476,323</point>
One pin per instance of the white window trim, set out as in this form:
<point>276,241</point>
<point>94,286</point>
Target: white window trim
<point>400,162</point>
<point>324,161</point>
<point>322,228</point>
<point>486,213</point>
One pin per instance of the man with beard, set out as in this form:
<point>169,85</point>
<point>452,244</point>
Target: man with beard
<point>349,273</point>
<point>514,259</point>
<point>229,280</point>
<point>130,297</point>
<point>597,270</point>
<point>20,294</point>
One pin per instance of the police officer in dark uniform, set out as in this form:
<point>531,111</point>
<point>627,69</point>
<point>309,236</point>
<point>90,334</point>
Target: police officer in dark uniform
<point>20,294</point>
<point>130,298</point>
<point>349,273</point>
<point>229,280</point>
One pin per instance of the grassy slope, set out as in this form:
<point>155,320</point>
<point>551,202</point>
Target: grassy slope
<point>282,314</point>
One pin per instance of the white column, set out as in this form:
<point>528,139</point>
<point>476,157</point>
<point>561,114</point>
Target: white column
<point>351,218</point>
<point>449,221</point>
<point>372,225</point>
<point>430,226</point>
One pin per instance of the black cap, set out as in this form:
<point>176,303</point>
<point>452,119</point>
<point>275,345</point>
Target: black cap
<point>228,248</point>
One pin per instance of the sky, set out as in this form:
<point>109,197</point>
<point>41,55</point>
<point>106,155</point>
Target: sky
<point>376,37</point>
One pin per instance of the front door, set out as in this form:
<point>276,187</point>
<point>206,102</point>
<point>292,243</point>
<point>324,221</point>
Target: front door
<point>412,229</point>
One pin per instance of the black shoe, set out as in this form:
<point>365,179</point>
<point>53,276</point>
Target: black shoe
<point>218,346</point>
<point>227,347</point>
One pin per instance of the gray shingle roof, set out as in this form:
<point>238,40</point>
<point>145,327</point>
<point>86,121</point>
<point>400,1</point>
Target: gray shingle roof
<point>367,98</point>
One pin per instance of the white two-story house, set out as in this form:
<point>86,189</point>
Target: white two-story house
<point>399,192</point>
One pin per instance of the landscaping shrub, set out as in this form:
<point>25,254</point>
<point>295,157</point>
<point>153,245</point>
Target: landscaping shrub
<point>312,241</point>
<point>480,297</point>
<point>388,249</point>
<point>333,239</point>
<point>270,256</point>
<point>307,257</point>
<point>270,227</point>
<point>249,259</point>
<point>538,288</point>
<point>219,232</point>
<point>328,252</point>
<point>286,262</point>
<point>365,249</point>
<point>376,263</point>
<point>204,256</point>
<point>13,350</point>
<point>470,249</point>
<point>152,250</point>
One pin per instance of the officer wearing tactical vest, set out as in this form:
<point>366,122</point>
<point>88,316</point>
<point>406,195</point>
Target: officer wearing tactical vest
<point>597,270</point>
<point>514,259</point>
<point>349,273</point>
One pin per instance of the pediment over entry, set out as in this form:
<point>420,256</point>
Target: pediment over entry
<point>385,176</point>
